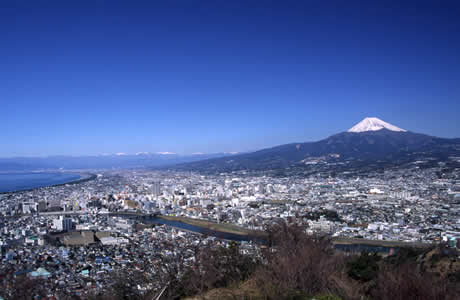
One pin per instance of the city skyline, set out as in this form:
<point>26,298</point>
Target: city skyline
<point>92,78</point>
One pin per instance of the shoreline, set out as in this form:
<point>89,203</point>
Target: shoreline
<point>84,177</point>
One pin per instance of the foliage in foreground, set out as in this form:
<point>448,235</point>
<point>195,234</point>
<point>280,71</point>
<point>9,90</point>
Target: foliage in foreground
<point>293,265</point>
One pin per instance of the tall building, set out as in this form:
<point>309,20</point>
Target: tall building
<point>42,205</point>
<point>261,188</point>
<point>29,207</point>
<point>156,189</point>
<point>62,224</point>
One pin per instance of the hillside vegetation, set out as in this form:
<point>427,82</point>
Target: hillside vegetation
<point>297,266</point>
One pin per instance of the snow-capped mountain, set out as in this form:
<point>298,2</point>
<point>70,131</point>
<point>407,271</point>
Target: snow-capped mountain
<point>371,140</point>
<point>373,124</point>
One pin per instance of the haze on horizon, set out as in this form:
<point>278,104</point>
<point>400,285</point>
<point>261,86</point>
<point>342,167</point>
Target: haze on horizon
<point>94,77</point>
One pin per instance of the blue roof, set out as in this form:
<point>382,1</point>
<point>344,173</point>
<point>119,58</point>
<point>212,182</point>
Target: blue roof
<point>40,272</point>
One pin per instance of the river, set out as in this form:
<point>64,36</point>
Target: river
<point>352,247</point>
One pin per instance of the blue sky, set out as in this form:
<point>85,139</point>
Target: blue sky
<point>91,77</point>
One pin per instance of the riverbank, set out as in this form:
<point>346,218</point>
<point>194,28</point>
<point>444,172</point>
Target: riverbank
<point>218,227</point>
<point>339,242</point>
<point>379,243</point>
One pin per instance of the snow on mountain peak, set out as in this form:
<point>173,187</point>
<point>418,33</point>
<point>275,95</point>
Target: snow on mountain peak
<point>373,124</point>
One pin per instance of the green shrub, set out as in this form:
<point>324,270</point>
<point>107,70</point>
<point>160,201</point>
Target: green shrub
<point>364,267</point>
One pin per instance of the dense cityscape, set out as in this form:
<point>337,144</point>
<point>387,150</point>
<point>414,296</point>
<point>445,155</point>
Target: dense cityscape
<point>76,236</point>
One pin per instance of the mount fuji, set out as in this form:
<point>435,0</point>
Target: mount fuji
<point>373,124</point>
<point>371,140</point>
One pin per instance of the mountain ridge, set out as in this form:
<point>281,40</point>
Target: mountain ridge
<point>372,145</point>
<point>366,143</point>
<point>143,160</point>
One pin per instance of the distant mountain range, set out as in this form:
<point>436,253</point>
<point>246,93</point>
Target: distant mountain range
<point>112,161</point>
<point>371,140</point>
<point>368,141</point>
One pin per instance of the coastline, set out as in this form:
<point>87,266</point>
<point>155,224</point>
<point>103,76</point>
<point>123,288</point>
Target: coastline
<point>84,177</point>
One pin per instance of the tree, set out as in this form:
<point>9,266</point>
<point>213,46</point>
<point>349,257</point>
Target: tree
<point>23,288</point>
<point>365,267</point>
<point>296,262</point>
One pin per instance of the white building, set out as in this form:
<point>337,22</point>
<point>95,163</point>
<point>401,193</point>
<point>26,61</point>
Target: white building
<point>62,224</point>
<point>29,207</point>
<point>322,225</point>
<point>113,240</point>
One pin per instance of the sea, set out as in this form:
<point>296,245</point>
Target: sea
<point>10,182</point>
